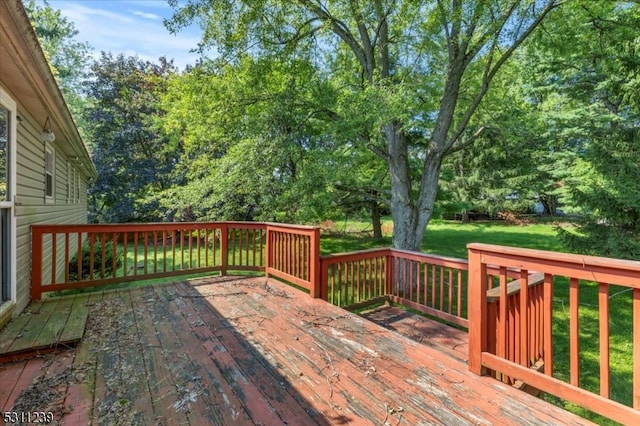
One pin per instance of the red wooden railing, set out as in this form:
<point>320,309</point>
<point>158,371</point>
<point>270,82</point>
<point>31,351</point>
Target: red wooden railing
<point>348,279</point>
<point>529,318</point>
<point>294,255</point>
<point>504,338</point>
<point>156,250</point>
<point>435,285</point>
<point>432,284</point>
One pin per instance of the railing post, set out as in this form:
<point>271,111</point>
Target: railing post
<point>324,280</point>
<point>389,273</point>
<point>477,311</point>
<point>314,264</point>
<point>268,248</point>
<point>224,249</point>
<point>36,264</point>
<point>636,348</point>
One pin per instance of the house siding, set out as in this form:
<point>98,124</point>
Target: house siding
<point>33,208</point>
<point>31,90</point>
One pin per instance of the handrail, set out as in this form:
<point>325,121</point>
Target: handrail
<point>429,283</point>
<point>156,250</point>
<point>293,254</point>
<point>530,316</point>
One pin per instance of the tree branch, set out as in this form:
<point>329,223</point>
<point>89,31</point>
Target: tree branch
<point>339,28</point>
<point>490,72</point>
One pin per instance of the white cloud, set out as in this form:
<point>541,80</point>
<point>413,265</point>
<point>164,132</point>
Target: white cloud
<point>145,15</point>
<point>77,12</point>
<point>131,28</point>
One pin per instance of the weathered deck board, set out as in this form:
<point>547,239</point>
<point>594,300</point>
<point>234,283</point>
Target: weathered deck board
<point>74,327</point>
<point>162,387</point>
<point>201,393</point>
<point>431,333</point>
<point>255,351</point>
<point>58,323</point>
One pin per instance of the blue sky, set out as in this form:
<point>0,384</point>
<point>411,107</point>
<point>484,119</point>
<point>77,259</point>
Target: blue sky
<point>132,27</point>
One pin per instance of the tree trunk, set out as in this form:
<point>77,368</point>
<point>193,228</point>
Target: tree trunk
<point>375,220</point>
<point>409,219</point>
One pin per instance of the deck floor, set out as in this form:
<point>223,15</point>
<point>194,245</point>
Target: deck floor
<point>237,350</point>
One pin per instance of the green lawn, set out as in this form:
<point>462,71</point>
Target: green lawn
<point>444,237</point>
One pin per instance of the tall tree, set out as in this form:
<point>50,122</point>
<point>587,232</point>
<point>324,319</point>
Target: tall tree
<point>251,138</point>
<point>406,54</point>
<point>133,160</point>
<point>587,63</point>
<point>69,58</point>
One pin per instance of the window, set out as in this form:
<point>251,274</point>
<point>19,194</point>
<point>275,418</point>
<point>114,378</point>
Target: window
<point>8,137</point>
<point>77,187</point>
<point>49,172</point>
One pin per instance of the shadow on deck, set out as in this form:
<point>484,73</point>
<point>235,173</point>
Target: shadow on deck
<point>231,350</point>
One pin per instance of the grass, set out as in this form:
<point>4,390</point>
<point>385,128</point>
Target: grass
<point>444,238</point>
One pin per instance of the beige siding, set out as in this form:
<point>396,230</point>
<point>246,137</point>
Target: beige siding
<point>31,206</point>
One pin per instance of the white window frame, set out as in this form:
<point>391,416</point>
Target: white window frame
<point>49,150</point>
<point>10,105</point>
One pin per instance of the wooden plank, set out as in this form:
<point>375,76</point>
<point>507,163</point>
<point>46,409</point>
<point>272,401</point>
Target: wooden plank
<point>76,321</point>
<point>29,338</point>
<point>525,311</point>
<point>636,349</point>
<point>53,328</point>
<point>133,374</point>
<point>30,371</point>
<point>80,394</point>
<point>107,369</point>
<point>574,332</point>
<point>477,311</point>
<point>603,307</point>
<point>192,398</point>
<point>162,387</point>
<point>9,375</point>
<point>12,331</point>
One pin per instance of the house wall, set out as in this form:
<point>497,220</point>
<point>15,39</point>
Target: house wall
<point>32,206</point>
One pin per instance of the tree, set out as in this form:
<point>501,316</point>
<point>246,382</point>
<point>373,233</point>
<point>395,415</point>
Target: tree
<point>133,160</point>
<point>251,142</point>
<point>407,54</point>
<point>68,58</point>
<point>594,87</point>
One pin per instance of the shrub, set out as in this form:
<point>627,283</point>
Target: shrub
<point>97,262</point>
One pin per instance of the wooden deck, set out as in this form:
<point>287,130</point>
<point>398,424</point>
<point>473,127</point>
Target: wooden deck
<point>254,351</point>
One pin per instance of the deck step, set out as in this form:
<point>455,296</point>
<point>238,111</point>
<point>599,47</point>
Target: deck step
<point>44,327</point>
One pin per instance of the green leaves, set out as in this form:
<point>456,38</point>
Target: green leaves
<point>133,160</point>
